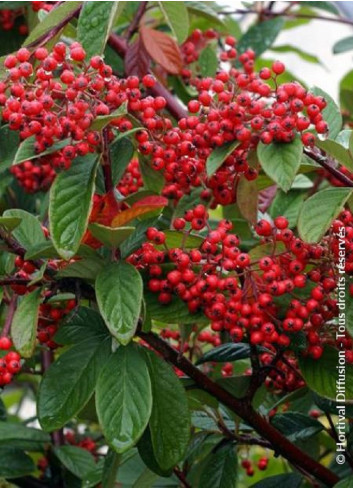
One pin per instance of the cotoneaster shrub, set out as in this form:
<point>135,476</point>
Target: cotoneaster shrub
<point>174,210</point>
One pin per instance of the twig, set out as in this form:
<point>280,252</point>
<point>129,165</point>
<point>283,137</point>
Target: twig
<point>270,14</point>
<point>181,476</point>
<point>243,409</point>
<point>10,314</point>
<point>322,161</point>
<point>136,21</point>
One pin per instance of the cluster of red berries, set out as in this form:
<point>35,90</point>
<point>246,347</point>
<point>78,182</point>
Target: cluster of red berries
<point>36,175</point>
<point>24,272</point>
<point>247,464</point>
<point>85,442</point>
<point>192,47</point>
<point>14,18</point>
<point>50,316</point>
<point>55,97</point>
<point>10,19</point>
<point>10,363</point>
<point>237,105</point>
<point>260,299</point>
<point>131,181</point>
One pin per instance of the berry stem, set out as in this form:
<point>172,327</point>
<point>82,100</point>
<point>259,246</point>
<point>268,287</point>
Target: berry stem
<point>243,409</point>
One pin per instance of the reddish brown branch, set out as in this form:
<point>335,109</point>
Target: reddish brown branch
<point>10,314</point>
<point>270,14</point>
<point>243,409</point>
<point>136,21</point>
<point>322,161</point>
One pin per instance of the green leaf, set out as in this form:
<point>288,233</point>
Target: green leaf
<point>152,179</point>
<point>101,121</point>
<point>12,5</point>
<point>296,426</point>
<point>326,6</point>
<point>281,480</point>
<point>83,324</point>
<point>188,201</point>
<point>331,113</point>
<point>15,463</point>
<point>281,161</point>
<point>70,205</point>
<point>121,152</point>
<point>261,36</point>
<point>45,249</point>
<point>343,45</point>
<point>247,199</point>
<point>288,205</point>
<point>87,269</point>
<point>228,352</point>
<point>203,9</point>
<point>55,17</point>
<point>176,239</point>
<point>69,383</point>
<point>24,324</point>
<point>29,232</point>
<point>124,399</point>
<point>9,142</point>
<point>145,449</point>
<point>170,417</point>
<point>346,482</point>
<point>219,155</point>
<point>220,468</point>
<point>26,150</point>
<point>95,24</point>
<point>321,375</point>
<point>15,435</point>
<point>337,151</point>
<point>75,459</point>
<point>119,296</point>
<point>9,223</point>
<point>232,27</point>
<point>176,312</point>
<point>177,17</point>
<point>318,212</point>
<point>287,48</point>
<point>208,62</point>
<point>112,237</point>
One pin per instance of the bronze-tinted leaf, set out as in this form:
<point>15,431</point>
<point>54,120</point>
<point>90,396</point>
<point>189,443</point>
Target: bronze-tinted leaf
<point>162,49</point>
